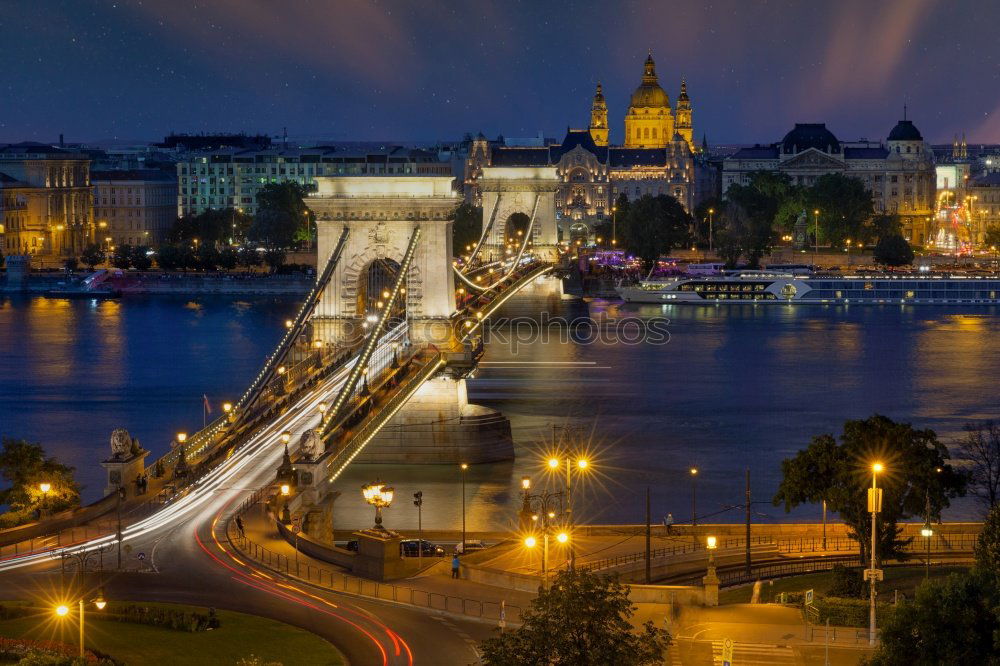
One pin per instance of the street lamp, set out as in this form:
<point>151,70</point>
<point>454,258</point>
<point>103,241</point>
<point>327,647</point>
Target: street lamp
<point>873,574</point>
<point>227,407</point>
<point>711,215</point>
<point>62,610</point>
<point>181,437</point>
<point>816,238</point>
<point>530,542</point>
<point>464,467</point>
<point>379,496</point>
<point>694,496</point>
<point>581,465</point>
<point>45,487</point>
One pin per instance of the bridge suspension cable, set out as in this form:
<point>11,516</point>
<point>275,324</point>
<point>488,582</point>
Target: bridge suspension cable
<point>514,263</point>
<point>305,311</point>
<point>334,414</point>
<point>486,232</point>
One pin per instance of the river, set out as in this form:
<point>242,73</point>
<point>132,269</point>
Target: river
<point>735,387</point>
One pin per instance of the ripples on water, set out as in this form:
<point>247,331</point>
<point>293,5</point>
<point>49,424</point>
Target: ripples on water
<point>736,386</point>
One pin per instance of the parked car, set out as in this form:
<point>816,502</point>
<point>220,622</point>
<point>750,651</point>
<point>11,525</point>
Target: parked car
<point>471,545</point>
<point>408,548</point>
<point>352,545</point>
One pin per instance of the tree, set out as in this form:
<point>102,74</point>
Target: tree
<point>122,257</point>
<point>92,255</point>
<point>248,257</point>
<point>24,466</point>
<point>174,257</point>
<point>893,250</point>
<point>886,225</point>
<point>467,227</point>
<point>654,226</point>
<point>992,237</point>
<point>988,546</point>
<point>210,227</point>
<point>845,208</point>
<point>228,258</point>
<point>140,258</point>
<point>759,200</point>
<point>274,258</point>
<point>950,621</point>
<point>70,263</point>
<point>583,619</point>
<point>841,473</point>
<point>281,212</point>
<point>981,447</point>
<point>207,257</point>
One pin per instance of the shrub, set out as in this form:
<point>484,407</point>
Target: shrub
<point>850,612</point>
<point>848,582</point>
<point>169,618</point>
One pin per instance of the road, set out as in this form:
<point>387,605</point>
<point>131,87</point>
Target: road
<point>190,564</point>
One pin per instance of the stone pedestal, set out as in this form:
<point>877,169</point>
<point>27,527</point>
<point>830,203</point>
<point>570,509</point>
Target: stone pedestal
<point>122,472</point>
<point>309,480</point>
<point>711,583</point>
<point>378,555</point>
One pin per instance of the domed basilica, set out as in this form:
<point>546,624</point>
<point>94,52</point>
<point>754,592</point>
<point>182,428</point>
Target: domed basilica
<point>657,156</point>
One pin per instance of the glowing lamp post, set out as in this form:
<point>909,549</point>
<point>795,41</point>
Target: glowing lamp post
<point>46,488</point>
<point>379,496</point>
<point>873,575</point>
<point>530,542</point>
<point>62,610</point>
<point>582,464</point>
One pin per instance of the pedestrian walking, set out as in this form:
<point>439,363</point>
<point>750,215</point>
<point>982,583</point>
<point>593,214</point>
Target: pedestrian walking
<point>454,565</point>
<point>668,522</point>
<point>239,527</point>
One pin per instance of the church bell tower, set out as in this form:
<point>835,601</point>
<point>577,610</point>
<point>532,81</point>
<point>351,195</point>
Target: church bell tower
<point>599,118</point>
<point>683,125</point>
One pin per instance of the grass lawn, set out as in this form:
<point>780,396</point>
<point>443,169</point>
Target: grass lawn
<point>904,579</point>
<point>137,644</point>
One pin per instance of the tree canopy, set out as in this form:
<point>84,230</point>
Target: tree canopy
<point>893,250</point>
<point>845,208</point>
<point>24,466</point>
<point>282,215</point>
<point>467,226</point>
<point>915,469</point>
<point>582,619</point>
<point>210,227</point>
<point>653,226</point>
<point>950,621</point>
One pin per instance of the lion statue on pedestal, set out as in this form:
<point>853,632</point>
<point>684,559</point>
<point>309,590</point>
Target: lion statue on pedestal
<point>310,445</point>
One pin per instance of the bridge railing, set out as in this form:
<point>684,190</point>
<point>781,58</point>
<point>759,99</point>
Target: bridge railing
<point>307,570</point>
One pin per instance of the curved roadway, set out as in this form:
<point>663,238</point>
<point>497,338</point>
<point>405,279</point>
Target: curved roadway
<point>193,565</point>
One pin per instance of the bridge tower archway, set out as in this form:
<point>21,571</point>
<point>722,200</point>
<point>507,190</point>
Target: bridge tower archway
<point>527,191</point>
<point>381,214</point>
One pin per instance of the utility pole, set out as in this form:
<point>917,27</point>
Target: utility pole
<point>418,501</point>
<point>748,568</point>
<point>121,496</point>
<point>648,568</point>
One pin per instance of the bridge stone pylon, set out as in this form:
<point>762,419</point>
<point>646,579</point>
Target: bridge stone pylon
<point>381,213</point>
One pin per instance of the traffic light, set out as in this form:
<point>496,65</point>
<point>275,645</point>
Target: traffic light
<point>418,498</point>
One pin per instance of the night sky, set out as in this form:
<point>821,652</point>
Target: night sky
<point>435,69</point>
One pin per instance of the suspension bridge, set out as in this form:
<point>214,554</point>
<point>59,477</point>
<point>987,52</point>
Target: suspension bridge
<point>392,313</point>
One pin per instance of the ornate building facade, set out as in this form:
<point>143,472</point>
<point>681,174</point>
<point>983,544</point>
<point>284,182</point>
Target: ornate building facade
<point>657,156</point>
<point>46,205</point>
<point>900,173</point>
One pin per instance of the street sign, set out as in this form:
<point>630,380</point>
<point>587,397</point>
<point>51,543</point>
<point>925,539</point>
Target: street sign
<point>141,556</point>
<point>877,574</point>
<point>809,597</point>
<point>727,652</point>
<point>503,614</point>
